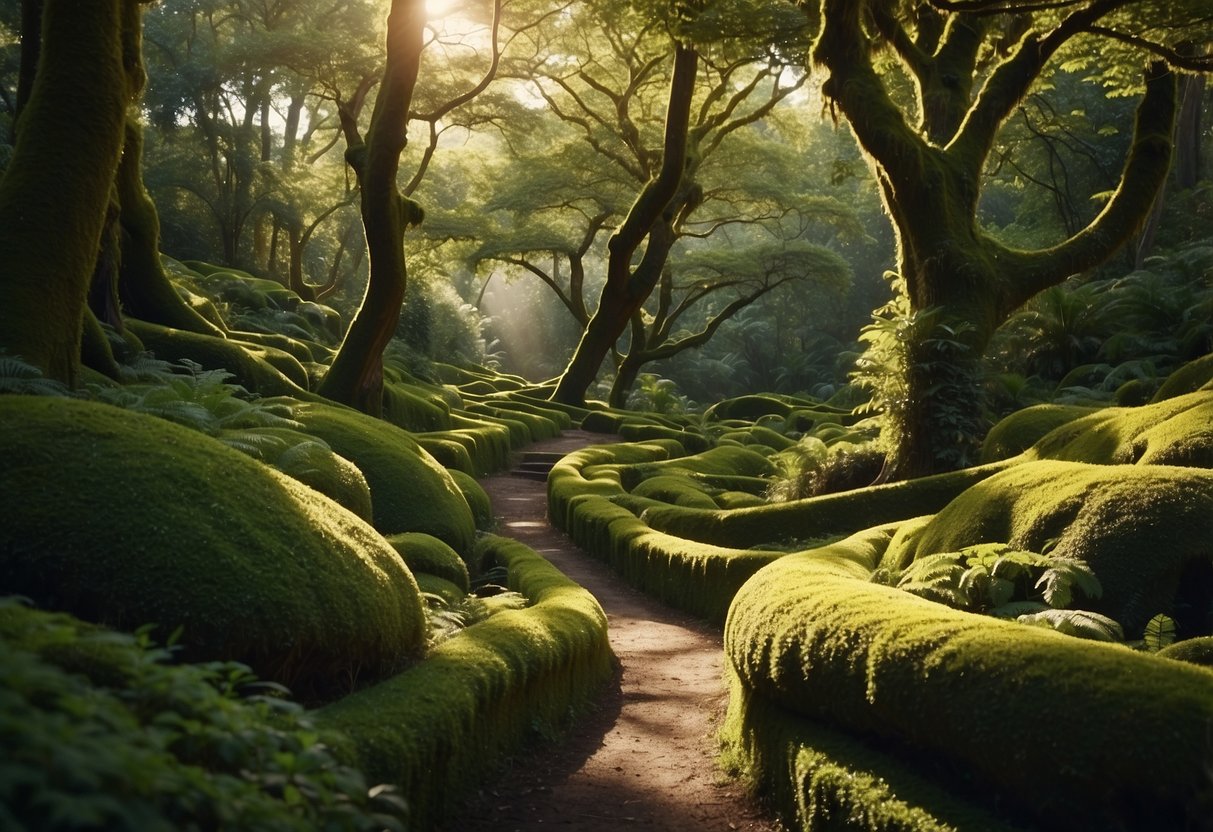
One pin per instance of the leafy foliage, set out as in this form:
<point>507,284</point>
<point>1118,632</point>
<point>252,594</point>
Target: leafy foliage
<point>996,579</point>
<point>446,619</point>
<point>101,732</point>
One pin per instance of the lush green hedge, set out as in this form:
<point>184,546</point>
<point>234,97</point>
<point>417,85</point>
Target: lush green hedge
<point>818,517</point>
<point>438,728</point>
<point>1071,733</point>
<point>586,498</point>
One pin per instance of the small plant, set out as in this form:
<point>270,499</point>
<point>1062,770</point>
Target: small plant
<point>1159,632</point>
<point>445,619</point>
<point>658,395</point>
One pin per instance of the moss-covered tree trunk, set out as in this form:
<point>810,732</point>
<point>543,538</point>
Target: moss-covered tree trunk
<point>961,284</point>
<point>650,218</point>
<point>356,375</point>
<point>143,286</point>
<point>56,189</point>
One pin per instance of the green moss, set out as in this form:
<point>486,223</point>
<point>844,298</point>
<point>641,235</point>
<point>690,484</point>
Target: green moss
<point>1194,650</point>
<point>1020,718</point>
<point>450,453</point>
<point>1193,376</point>
<point>410,491</point>
<point>411,409</point>
<point>302,352</point>
<point>249,364</point>
<point>679,491</point>
<point>126,519</point>
<point>601,421</point>
<point>301,457</point>
<point>449,592</point>
<point>438,728</point>
<point>426,553</point>
<point>1174,431</point>
<point>1139,527</point>
<point>515,409</point>
<point>642,432</point>
<point>818,517</point>
<point>1024,428</point>
<point>815,777</point>
<point>477,499</point>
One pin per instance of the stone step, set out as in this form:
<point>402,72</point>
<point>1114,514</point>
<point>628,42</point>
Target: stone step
<point>528,474</point>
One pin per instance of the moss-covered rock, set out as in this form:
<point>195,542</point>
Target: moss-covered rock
<point>126,519</point>
<point>1143,529</point>
<point>410,491</point>
<point>1193,376</point>
<point>1194,650</point>
<point>679,491</point>
<point>438,728</point>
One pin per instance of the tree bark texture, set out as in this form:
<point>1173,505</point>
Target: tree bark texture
<point>356,375</point>
<point>56,189</point>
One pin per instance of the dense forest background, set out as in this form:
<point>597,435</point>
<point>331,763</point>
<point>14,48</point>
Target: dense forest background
<point>535,127</point>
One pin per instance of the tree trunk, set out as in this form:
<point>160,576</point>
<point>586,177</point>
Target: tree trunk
<point>356,375</point>
<point>650,217</point>
<point>56,189</point>
<point>145,289</point>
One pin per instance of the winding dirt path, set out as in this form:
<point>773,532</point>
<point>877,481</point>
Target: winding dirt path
<point>645,758</point>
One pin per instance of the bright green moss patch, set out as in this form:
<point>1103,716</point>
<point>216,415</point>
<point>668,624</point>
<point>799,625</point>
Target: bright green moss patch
<point>410,409</point>
<point>426,553</point>
<point>1023,428</point>
<point>438,728</point>
<point>126,519</point>
<point>1190,377</point>
<point>1143,529</point>
<point>1195,650</point>
<point>1073,733</point>
<point>410,492</point>
<point>1175,431</point>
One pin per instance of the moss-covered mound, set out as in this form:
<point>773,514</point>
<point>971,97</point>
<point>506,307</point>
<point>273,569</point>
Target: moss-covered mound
<point>1057,732</point>
<point>588,500</point>
<point>1175,431</point>
<point>437,728</point>
<point>410,492</point>
<point>1024,428</point>
<point>126,519</point>
<point>477,499</point>
<point>428,554</point>
<point>1145,531</point>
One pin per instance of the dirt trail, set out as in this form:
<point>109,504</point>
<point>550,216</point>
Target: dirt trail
<point>645,759</point>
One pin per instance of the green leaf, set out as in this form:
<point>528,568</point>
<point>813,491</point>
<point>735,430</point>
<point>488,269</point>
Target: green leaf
<point>1160,631</point>
<point>1078,623</point>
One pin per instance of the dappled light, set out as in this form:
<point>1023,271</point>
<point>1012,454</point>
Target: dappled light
<point>742,415</point>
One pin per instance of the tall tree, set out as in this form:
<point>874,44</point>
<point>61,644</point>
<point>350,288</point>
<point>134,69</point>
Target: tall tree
<point>56,190</point>
<point>971,63</point>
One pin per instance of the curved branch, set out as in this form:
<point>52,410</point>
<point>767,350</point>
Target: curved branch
<point>1144,173</point>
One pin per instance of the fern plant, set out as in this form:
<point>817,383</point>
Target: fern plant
<point>20,377</point>
<point>999,580</point>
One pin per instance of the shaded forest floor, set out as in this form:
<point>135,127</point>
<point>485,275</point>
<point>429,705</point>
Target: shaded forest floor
<point>645,757</point>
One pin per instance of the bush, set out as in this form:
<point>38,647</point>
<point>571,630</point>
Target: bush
<point>100,732</point>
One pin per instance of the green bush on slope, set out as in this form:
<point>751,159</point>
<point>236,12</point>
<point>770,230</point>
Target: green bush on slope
<point>101,732</point>
<point>127,519</point>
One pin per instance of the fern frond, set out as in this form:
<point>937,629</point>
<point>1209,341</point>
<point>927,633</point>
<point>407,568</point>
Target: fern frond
<point>1079,623</point>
